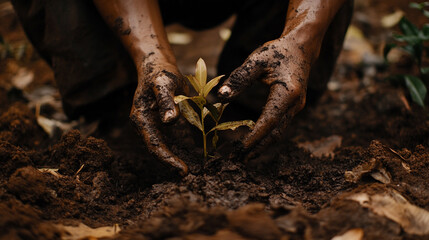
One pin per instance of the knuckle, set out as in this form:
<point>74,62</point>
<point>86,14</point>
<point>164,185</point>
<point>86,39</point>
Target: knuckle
<point>133,115</point>
<point>301,102</point>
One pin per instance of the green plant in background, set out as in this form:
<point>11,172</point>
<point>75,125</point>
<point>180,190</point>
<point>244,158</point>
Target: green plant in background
<point>413,40</point>
<point>204,108</point>
<point>16,51</point>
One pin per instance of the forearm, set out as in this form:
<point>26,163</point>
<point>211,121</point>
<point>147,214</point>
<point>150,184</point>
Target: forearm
<point>308,20</point>
<point>139,25</point>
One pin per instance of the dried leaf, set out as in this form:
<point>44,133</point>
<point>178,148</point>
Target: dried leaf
<point>372,167</point>
<point>84,232</point>
<point>352,234</point>
<point>190,114</point>
<point>357,172</point>
<point>201,74</point>
<point>233,125</point>
<point>51,126</point>
<point>52,171</point>
<point>211,84</point>
<point>392,205</point>
<point>382,176</point>
<point>22,78</point>
<point>357,47</point>
<point>322,147</point>
<point>392,19</point>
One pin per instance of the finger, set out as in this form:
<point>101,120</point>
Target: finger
<point>280,100</point>
<point>164,88</point>
<point>143,117</point>
<point>241,78</point>
<point>273,137</point>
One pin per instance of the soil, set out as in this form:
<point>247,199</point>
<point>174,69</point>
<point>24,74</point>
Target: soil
<point>110,178</point>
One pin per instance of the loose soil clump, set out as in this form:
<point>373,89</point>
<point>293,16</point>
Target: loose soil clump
<point>373,169</point>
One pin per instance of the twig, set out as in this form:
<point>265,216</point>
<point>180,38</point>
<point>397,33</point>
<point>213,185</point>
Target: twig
<point>80,169</point>
<point>397,154</point>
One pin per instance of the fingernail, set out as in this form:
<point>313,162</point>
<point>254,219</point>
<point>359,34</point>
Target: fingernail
<point>225,90</point>
<point>169,115</point>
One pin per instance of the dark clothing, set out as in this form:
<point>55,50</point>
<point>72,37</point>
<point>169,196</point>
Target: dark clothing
<point>90,64</point>
<point>89,61</point>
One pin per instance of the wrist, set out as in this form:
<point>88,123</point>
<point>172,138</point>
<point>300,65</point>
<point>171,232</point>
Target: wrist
<point>308,45</point>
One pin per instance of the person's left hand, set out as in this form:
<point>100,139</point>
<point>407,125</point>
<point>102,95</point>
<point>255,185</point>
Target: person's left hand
<point>283,65</point>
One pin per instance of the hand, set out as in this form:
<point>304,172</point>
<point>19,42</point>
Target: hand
<point>153,101</point>
<point>282,65</point>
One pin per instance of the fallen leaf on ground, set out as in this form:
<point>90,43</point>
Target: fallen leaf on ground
<point>392,19</point>
<point>52,126</point>
<point>373,167</point>
<point>22,78</point>
<point>323,147</point>
<point>352,234</point>
<point>53,171</point>
<point>221,234</point>
<point>84,232</point>
<point>356,47</point>
<point>392,205</point>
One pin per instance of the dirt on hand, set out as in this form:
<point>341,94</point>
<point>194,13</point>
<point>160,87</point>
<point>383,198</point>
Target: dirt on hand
<point>354,165</point>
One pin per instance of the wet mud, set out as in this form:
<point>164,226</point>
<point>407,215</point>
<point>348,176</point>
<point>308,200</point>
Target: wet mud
<point>381,162</point>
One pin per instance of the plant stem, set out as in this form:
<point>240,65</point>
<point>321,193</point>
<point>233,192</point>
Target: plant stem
<point>204,135</point>
<point>205,146</point>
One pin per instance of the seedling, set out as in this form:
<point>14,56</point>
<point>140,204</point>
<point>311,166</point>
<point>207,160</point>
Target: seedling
<point>204,108</point>
<point>412,40</point>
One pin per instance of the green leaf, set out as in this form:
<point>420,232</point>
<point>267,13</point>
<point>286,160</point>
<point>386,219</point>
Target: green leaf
<point>189,113</point>
<point>179,98</point>
<point>200,101</point>
<point>415,51</point>
<point>221,108</point>
<point>233,125</point>
<point>215,139</point>
<point>205,112</point>
<point>213,111</point>
<point>387,49</point>
<point>194,82</point>
<point>201,74</point>
<point>424,70</point>
<point>210,85</point>
<point>425,30</point>
<point>412,40</point>
<point>418,6</point>
<point>417,89</point>
<point>407,27</point>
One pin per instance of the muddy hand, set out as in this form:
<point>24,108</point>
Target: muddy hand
<point>153,103</point>
<point>139,26</point>
<point>282,66</point>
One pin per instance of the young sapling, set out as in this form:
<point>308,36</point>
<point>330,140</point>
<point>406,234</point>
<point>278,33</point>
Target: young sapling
<point>413,41</point>
<point>205,108</point>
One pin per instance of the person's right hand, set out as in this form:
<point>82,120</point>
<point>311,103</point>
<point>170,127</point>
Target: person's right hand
<point>153,106</point>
